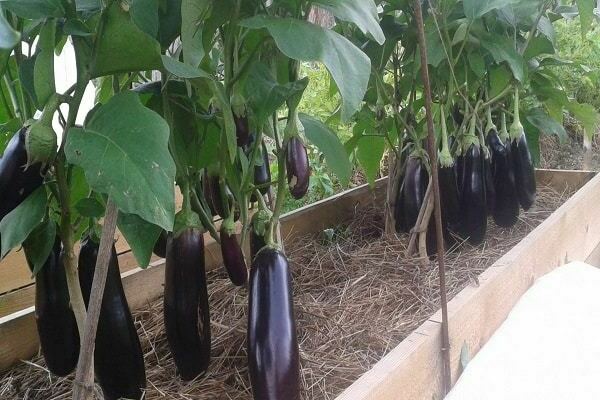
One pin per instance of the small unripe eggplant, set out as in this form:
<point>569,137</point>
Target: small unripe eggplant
<point>298,168</point>
<point>186,308</point>
<point>262,173</point>
<point>118,357</point>
<point>233,257</point>
<point>56,325</point>
<point>273,354</point>
<point>40,144</point>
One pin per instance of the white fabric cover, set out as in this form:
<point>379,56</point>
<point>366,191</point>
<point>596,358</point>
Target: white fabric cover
<point>549,346</point>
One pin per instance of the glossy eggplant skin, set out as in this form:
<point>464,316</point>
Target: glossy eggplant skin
<point>160,247</point>
<point>16,182</point>
<point>450,199</point>
<point>411,194</point>
<point>506,210</point>
<point>524,172</point>
<point>298,168</point>
<point>262,173</point>
<point>233,258</point>
<point>118,357</point>
<point>273,355</point>
<point>473,206</point>
<point>56,325</point>
<point>186,308</point>
<point>490,189</point>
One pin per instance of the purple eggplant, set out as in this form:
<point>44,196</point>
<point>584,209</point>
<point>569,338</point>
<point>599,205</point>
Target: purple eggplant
<point>473,207</point>
<point>160,247</point>
<point>262,173</point>
<point>242,130</point>
<point>186,307</point>
<point>233,257</point>
<point>118,357</point>
<point>273,354</point>
<point>524,172</point>
<point>411,194</point>
<point>298,168</point>
<point>490,189</point>
<point>56,325</point>
<point>506,210</point>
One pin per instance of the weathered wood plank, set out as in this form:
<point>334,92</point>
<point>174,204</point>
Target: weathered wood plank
<point>413,373</point>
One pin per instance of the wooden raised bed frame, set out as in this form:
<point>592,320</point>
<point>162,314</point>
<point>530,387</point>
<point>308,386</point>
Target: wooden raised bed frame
<point>413,369</point>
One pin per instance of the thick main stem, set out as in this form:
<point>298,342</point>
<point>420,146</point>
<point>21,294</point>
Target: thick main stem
<point>432,148</point>
<point>84,377</point>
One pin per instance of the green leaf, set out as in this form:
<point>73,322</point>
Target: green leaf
<point>502,50</point>
<point>300,40</point>
<point>538,118</point>
<point>76,27</point>
<point>477,64</point>
<point>265,95</point>
<point>90,208</point>
<point>8,36</point>
<point>183,70</point>
<point>140,235</point>
<point>123,47</point>
<point>537,46</point>
<point>144,14</point>
<point>34,9</point>
<point>26,76</point>
<point>587,115</point>
<point>20,222</point>
<point>476,8</point>
<point>330,145</point>
<point>230,130</point>
<point>369,153</point>
<point>193,14</point>
<point>586,14</point>
<point>500,78</point>
<point>39,244</point>
<point>43,70</point>
<point>363,13</point>
<point>169,18</point>
<point>124,153</point>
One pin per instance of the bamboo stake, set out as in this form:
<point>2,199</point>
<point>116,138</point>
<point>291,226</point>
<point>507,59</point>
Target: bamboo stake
<point>84,378</point>
<point>433,156</point>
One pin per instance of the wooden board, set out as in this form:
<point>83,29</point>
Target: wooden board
<point>412,370</point>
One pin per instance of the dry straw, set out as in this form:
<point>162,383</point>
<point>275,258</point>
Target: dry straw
<point>357,296</point>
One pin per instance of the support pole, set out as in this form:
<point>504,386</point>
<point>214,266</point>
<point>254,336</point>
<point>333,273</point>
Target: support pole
<point>433,157</point>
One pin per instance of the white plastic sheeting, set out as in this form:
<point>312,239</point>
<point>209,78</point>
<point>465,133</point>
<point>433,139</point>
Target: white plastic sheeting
<point>549,346</point>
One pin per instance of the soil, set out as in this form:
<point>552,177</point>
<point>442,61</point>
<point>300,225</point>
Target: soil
<point>357,296</point>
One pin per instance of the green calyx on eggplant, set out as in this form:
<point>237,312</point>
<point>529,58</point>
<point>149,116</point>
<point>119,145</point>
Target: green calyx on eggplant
<point>233,256</point>
<point>258,230</point>
<point>298,168</point>
<point>506,210</point>
<point>186,306</point>
<point>160,247</point>
<point>55,320</point>
<point>411,194</point>
<point>522,161</point>
<point>273,354</point>
<point>118,357</point>
<point>17,180</point>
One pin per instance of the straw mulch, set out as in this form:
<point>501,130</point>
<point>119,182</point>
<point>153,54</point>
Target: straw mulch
<point>357,296</point>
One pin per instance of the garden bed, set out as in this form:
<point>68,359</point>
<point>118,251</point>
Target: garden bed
<point>357,297</point>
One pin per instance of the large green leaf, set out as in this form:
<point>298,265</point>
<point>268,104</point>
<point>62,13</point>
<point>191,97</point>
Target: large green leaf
<point>122,46</point>
<point>124,153</point>
<point>43,70</point>
<point>8,36</point>
<point>34,9</point>
<point>140,235</point>
<point>586,14</point>
<point>502,50</point>
<point>330,145</point>
<point>193,13</point>
<point>369,153</point>
<point>476,8</point>
<point>546,124</point>
<point>144,14</point>
<point>39,244</point>
<point>303,41</point>
<point>363,13</point>
<point>182,70</point>
<point>265,95</point>
<point>587,115</point>
<point>21,221</point>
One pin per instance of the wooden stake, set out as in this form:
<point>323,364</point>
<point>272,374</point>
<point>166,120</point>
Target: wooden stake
<point>432,149</point>
<point>83,387</point>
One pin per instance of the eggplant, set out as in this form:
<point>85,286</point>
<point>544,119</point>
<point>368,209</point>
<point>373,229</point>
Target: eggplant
<point>17,181</point>
<point>524,172</point>
<point>411,196</point>
<point>506,210</point>
<point>160,247</point>
<point>186,308</point>
<point>233,257</point>
<point>490,189</point>
<point>118,357</point>
<point>242,130</point>
<point>212,194</point>
<point>450,200</point>
<point>55,320</point>
<point>273,354</point>
<point>262,173</point>
<point>473,208</point>
<point>298,168</point>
